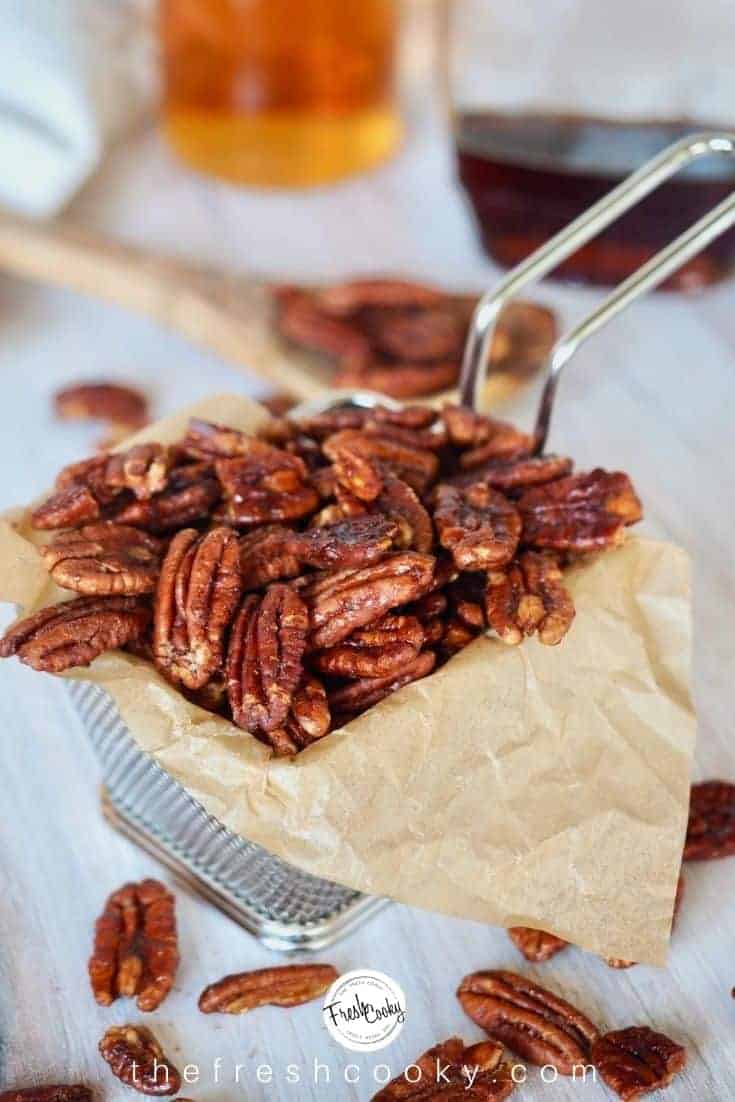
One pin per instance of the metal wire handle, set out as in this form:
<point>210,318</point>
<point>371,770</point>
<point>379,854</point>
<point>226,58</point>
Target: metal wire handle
<point>579,232</point>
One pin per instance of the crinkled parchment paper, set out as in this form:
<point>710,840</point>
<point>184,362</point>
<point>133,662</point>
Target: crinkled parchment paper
<point>538,786</point>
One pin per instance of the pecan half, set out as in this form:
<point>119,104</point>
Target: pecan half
<point>356,542</point>
<point>191,493</point>
<point>135,946</point>
<point>266,555</point>
<point>433,333</point>
<point>416,466</point>
<point>102,401</point>
<point>264,660</point>
<point>536,945</point>
<point>137,1060</point>
<point>530,596</point>
<point>144,469</point>
<point>357,696</point>
<point>302,320</point>
<point>478,525</point>
<point>308,720</point>
<point>530,1020</point>
<point>288,985</point>
<point>405,417</point>
<point>76,632</point>
<point>399,502</point>
<point>197,594</point>
<point>105,558</point>
<point>636,1060</point>
<point>381,650</point>
<point>265,486</point>
<point>452,1071</point>
<point>584,512</point>
<point>711,828</point>
<point>348,599</point>
<point>67,508</point>
<point>516,474</point>
<point>402,380</point>
<point>54,1092</point>
<point>485,437</point>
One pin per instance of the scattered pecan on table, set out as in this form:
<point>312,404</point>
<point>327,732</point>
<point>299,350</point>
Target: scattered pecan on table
<point>711,829</point>
<point>451,1070</point>
<point>137,1060</point>
<point>635,1061</point>
<point>287,985</point>
<point>54,1092</point>
<point>405,339</point>
<point>536,945</point>
<point>531,1021</point>
<point>135,946</point>
<point>293,579</point>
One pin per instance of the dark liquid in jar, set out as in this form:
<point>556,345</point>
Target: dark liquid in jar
<point>529,176</point>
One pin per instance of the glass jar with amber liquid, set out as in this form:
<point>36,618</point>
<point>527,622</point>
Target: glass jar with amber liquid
<point>285,93</point>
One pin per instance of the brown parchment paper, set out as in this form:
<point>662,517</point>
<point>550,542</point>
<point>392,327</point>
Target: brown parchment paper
<point>538,786</point>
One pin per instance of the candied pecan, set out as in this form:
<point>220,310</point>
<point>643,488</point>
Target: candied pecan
<point>322,425</point>
<point>711,828</point>
<point>348,599</point>
<point>636,1060</point>
<point>529,597</point>
<point>357,696</point>
<point>264,664</point>
<point>265,486</point>
<point>137,1060</point>
<point>307,721</point>
<point>74,633</point>
<point>302,320</point>
<point>478,525</point>
<point>536,945</point>
<point>197,594</point>
<point>381,650</point>
<point>84,472</point>
<point>66,508</point>
<point>359,541</point>
<point>456,635</point>
<point>530,1020</point>
<point>428,608</point>
<point>436,333</point>
<point>135,946</point>
<point>405,417</point>
<point>584,512</point>
<point>416,466</point>
<point>102,401</point>
<point>402,380</point>
<point>347,298</point>
<point>105,558</point>
<point>451,1071</point>
<point>191,493</point>
<point>266,556</point>
<point>356,473</point>
<point>144,469</point>
<point>516,474</point>
<point>401,504</point>
<point>485,437</point>
<point>54,1092</point>
<point>433,439</point>
<point>287,985</point>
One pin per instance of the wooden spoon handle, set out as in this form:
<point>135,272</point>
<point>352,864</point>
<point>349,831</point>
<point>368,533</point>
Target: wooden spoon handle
<point>230,315</point>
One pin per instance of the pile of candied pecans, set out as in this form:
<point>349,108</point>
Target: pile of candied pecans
<point>293,579</point>
<point>405,339</point>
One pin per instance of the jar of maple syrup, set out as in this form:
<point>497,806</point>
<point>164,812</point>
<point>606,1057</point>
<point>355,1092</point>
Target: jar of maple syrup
<point>284,93</point>
<point>555,103</point>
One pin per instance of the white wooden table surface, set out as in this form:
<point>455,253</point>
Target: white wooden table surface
<point>655,394</point>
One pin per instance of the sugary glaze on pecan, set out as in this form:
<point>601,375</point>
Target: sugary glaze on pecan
<point>451,1070</point>
<point>536,945</point>
<point>135,946</point>
<point>287,985</point>
<point>637,1060</point>
<point>528,1019</point>
<point>76,632</point>
<point>369,545</point>
<point>711,828</point>
<point>478,525</point>
<point>197,594</point>
<point>137,1060</point>
<point>53,1092</point>
<point>264,660</point>
<point>104,559</point>
<point>529,597</point>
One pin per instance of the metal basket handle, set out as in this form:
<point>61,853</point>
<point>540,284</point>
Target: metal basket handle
<point>578,233</point>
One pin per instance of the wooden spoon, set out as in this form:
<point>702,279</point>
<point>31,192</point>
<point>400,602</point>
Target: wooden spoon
<point>231,315</point>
